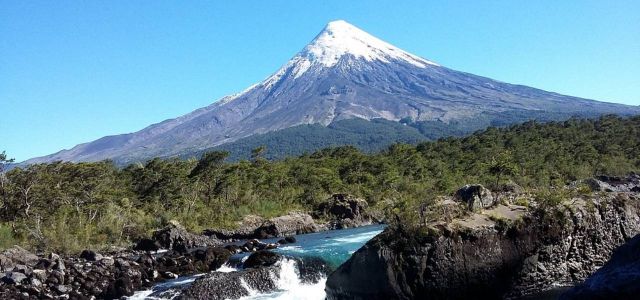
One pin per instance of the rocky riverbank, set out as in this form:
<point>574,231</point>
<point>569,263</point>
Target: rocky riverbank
<point>111,276</point>
<point>338,212</point>
<point>496,250</point>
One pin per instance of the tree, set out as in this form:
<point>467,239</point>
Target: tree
<point>501,165</point>
<point>3,179</point>
<point>258,153</point>
<point>209,170</point>
<point>4,161</point>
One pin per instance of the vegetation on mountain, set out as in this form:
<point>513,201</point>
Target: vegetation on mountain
<point>67,207</point>
<point>371,136</point>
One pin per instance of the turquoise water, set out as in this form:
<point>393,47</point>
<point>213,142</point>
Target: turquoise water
<point>334,247</point>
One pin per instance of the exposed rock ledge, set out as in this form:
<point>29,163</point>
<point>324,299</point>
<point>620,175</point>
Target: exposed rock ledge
<point>503,252</point>
<point>618,279</point>
<point>340,211</point>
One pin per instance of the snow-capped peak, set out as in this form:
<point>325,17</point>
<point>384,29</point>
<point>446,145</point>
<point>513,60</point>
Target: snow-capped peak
<point>340,38</point>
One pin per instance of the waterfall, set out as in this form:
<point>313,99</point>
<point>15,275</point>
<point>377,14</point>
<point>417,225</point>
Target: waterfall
<point>291,286</point>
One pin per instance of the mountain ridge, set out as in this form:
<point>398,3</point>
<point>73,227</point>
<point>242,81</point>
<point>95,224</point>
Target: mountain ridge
<point>343,73</point>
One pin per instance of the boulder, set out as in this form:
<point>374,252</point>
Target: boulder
<point>619,278</point>
<point>344,211</point>
<point>91,255</point>
<point>15,255</point>
<point>147,245</point>
<point>629,183</point>
<point>290,224</point>
<point>262,258</point>
<point>475,196</point>
<point>40,274</point>
<point>212,258</point>
<point>245,230</point>
<point>234,249</point>
<point>232,285</point>
<point>176,237</point>
<point>14,278</point>
<point>57,263</point>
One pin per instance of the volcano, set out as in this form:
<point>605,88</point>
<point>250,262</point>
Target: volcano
<point>343,73</point>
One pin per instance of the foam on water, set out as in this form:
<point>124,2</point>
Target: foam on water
<point>290,286</point>
<point>334,247</point>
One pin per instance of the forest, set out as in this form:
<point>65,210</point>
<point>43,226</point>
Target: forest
<point>67,207</point>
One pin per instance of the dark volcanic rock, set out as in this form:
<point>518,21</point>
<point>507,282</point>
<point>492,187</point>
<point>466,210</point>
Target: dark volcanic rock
<point>90,255</point>
<point>476,197</point>
<point>176,237</point>
<point>344,211</point>
<point>262,259</point>
<point>290,224</point>
<point>629,183</point>
<point>16,255</point>
<point>147,245</point>
<point>91,275</point>
<point>14,278</point>
<point>218,285</point>
<point>212,258</point>
<point>617,279</point>
<point>254,227</point>
<point>561,245</point>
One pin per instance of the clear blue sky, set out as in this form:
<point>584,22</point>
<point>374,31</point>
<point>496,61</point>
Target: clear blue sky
<point>71,72</point>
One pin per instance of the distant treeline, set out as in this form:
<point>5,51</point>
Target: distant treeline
<point>372,136</point>
<point>70,206</point>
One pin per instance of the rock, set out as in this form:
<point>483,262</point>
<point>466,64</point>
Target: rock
<point>232,285</point>
<point>271,246</point>
<point>35,282</point>
<point>629,183</point>
<point>63,289</point>
<point>511,187</point>
<point>107,261</point>
<point>282,242</point>
<point>169,275</point>
<point>10,257</point>
<point>148,245</point>
<point>619,278</point>
<point>292,223</point>
<point>57,263</point>
<point>262,259</point>
<point>212,258</point>
<point>312,269</point>
<point>40,274</point>
<point>90,255</point>
<point>14,278</point>
<point>559,245</point>
<point>254,227</point>
<point>176,237</point>
<point>475,196</point>
<point>234,249</point>
<point>290,239</point>
<point>344,211</point>
<point>56,276</point>
<point>23,269</point>
<point>245,230</point>
<point>121,287</point>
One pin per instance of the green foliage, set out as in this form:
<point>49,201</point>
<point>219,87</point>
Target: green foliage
<point>71,206</point>
<point>6,236</point>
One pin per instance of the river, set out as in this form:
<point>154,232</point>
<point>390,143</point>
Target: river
<point>334,247</point>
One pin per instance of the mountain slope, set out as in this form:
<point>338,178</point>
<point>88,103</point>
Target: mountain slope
<point>343,73</point>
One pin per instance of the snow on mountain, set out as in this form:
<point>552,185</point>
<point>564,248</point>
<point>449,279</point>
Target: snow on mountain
<point>342,73</point>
